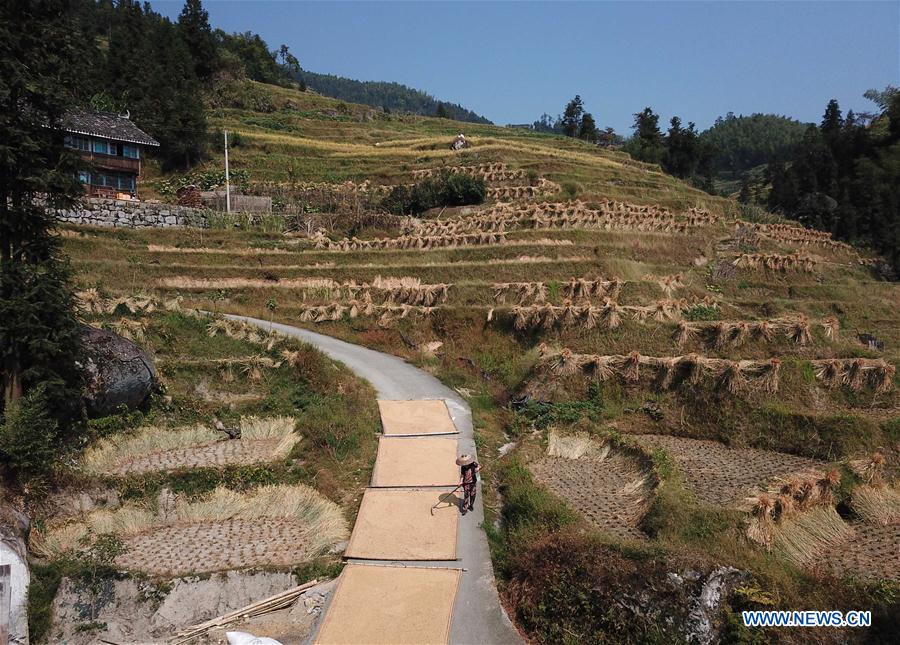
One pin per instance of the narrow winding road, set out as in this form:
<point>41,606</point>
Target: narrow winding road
<point>478,616</point>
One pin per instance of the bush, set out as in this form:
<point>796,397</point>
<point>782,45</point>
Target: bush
<point>570,189</point>
<point>568,587</point>
<point>28,440</point>
<point>448,189</point>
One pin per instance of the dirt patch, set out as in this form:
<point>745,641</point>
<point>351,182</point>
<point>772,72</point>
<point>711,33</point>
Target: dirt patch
<point>134,610</point>
<point>723,476</point>
<point>610,492</point>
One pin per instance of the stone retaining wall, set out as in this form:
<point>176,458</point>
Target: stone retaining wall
<point>121,213</point>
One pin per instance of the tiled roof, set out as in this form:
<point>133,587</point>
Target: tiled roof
<point>107,125</point>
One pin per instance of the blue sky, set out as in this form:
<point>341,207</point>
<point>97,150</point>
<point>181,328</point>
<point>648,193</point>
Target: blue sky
<point>512,61</point>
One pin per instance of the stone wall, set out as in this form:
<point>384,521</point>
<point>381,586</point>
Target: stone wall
<point>122,213</point>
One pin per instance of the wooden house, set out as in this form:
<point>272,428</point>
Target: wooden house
<point>113,146</point>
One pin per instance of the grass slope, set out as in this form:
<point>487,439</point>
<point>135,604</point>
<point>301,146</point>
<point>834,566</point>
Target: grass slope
<point>287,137</point>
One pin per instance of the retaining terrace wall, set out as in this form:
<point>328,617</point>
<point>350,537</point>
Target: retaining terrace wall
<point>93,211</point>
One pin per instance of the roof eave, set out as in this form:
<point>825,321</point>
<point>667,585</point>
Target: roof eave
<point>154,143</point>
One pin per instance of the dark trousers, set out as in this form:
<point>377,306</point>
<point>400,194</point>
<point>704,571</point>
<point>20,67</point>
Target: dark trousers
<point>469,496</point>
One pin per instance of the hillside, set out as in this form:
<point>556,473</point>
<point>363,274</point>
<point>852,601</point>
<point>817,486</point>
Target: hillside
<point>392,97</point>
<point>289,139</point>
<point>666,396</point>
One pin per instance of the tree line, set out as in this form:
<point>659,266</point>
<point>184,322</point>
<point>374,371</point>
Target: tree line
<point>391,97</point>
<point>578,123</point>
<point>844,176</point>
<point>680,151</point>
<point>841,176</point>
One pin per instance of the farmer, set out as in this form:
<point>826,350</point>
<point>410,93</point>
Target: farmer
<point>468,470</point>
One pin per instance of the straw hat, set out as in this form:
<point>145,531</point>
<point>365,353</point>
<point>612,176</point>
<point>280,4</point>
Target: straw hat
<point>465,459</point>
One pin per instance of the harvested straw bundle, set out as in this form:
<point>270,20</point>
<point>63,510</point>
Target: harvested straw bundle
<point>730,376</point>
<point>631,367</point>
<point>130,329</point>
<point>832,327</point>
<point>91,301</point>
<point>611,316</point>
<point>799,330</point>
<point>877,503</point>
<point>807,536</point>
<point>869,469</point>
<point>565,363</point>
<point>668,283</point>
<point>856,373</point>
<point>684,332</point>
<point>787,498</point>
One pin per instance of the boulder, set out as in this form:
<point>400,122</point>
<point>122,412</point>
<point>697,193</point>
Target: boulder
<point>13,537</point>
<point>119,373</point>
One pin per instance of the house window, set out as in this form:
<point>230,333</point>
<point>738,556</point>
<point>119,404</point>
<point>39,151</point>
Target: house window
<point>84,176</point>
<point>131,152</point>
<point>78,143</point>
<point>102,147</point>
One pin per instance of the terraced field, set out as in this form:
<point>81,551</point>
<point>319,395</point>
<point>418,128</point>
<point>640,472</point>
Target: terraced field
<point>294,142</point>
<point>277,526</point>
<point>609,298</point>
<point>612,493</point>
<point>872,553</point>
<point>724,476</point>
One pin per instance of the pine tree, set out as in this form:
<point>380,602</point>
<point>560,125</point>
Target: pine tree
<point>441,111</point>
<point>832,122</point>
<point>572,116</point>
<point>289,62</point>
<point>175,108</point>
<point>588,130</point>
<point>745,195</point>
<point>40,338</point>
<point>647,142</point>
<point>784,194</point>
<point>150,72</point>
<point>193,23</point>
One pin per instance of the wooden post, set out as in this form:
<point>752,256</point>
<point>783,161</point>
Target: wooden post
<point>227,181</point>
<point>5,600</point>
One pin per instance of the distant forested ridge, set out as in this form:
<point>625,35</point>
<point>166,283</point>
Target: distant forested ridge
<point>744,142</point>
<point>390,96</point>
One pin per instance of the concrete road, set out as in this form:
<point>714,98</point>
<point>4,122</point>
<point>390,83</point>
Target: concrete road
<point>478,616</point>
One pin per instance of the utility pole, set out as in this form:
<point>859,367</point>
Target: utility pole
<point>227,182</point>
